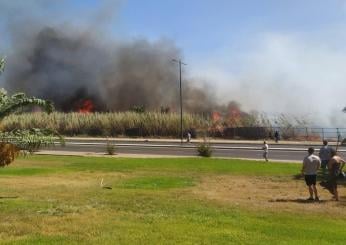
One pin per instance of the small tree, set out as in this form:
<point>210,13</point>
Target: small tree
<point>12,142</point>
<point>110,148</point>
<point>204,149</point>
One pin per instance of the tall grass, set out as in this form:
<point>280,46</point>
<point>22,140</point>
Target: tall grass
<point>106,124</point>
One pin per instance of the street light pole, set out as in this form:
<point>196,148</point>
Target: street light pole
<point>181,99</point>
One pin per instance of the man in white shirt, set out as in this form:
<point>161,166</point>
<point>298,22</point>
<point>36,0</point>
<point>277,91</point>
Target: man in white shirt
<point>311,164</point>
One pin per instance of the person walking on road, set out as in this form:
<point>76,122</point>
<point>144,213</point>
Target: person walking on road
<point>277,136</point>
<point>311,164</point>
<point>265,149</point>
<point>188,137</point>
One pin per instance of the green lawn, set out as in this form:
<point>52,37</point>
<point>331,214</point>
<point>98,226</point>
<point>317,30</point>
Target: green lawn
<point>58,200</point>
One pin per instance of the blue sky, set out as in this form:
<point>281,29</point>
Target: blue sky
<point>207,26</point>
<point>200,28</point>
<point>275,50</point>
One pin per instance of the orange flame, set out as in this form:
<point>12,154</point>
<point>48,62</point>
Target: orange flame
<point>87,106</point>
<point>234,115</point>
<point>216,116</point>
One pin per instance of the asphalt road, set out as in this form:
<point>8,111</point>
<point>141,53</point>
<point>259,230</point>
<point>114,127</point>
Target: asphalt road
<point>236,150</point>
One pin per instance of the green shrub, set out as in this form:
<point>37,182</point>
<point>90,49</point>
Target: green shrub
<point>204,149</point>
<point>110,148</point>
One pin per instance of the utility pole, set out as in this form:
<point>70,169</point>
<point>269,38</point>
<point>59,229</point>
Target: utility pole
<point>181,99</point>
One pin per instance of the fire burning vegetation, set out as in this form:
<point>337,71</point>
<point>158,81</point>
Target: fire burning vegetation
<point>87,106</point>
<point>80,73</point>
<point>83,70</point>
<point>71,68</point>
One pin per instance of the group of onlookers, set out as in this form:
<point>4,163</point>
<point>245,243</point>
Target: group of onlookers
<point>327,160</point>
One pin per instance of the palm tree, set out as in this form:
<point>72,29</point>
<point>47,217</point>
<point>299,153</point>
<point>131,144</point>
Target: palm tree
<point>28,140</point>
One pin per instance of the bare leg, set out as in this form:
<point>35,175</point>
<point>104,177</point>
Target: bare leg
<point>315,191</point>
<point>336,194</point>
<point>311,191</point>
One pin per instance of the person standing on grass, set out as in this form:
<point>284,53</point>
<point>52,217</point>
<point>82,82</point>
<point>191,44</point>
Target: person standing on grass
<point>335,166</point>
<point>311,164</point>
<point>265,149</point>
<point>324,155</point>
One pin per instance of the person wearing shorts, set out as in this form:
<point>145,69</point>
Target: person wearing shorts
<point>311,164</point>
<point>335,166</point>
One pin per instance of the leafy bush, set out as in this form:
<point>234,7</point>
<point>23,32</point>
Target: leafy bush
<point>110,148</point>
<point>15,140</point>
<point>138,109</point>
<point>204,149</point>
<point>8,152</point>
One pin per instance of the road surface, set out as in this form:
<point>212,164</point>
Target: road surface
<point>289,152</point>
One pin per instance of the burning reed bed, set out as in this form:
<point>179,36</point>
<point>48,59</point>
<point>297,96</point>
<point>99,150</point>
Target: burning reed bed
<point>106,124</point>
<point>157,124</point>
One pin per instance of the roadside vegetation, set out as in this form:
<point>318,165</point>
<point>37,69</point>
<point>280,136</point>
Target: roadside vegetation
<point>204,149</point>
<point>16,140</point>
<point>158,124</point>
<point>107,124</point>
<point>59,200</point>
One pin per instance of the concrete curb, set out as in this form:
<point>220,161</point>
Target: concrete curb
<point>213,141</point>
<point>96,154</point>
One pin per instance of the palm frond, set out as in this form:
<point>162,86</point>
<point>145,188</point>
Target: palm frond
<point>10,104</point>
<point>31,139</point>
<point>28,140</point>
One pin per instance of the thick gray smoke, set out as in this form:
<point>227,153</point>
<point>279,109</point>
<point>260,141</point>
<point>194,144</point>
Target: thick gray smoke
<point>276,73</point>
<point>68,67</point>
<point>70,64</point>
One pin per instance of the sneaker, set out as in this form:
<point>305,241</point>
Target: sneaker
<point>310,199</point>
<point>317,199</point>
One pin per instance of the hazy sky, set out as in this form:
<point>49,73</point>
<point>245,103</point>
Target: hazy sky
<point>270,55</point>
<point>276,56</point>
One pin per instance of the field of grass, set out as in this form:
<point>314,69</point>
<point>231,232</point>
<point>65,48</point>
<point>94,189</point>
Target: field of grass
<point>106,124</point>
<point>59,200</point>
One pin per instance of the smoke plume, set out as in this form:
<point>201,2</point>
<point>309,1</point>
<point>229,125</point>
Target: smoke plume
<point>66,67</point>
<point>69,65</point>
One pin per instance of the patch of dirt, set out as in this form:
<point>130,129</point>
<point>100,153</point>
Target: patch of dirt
<point>269,193</point>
